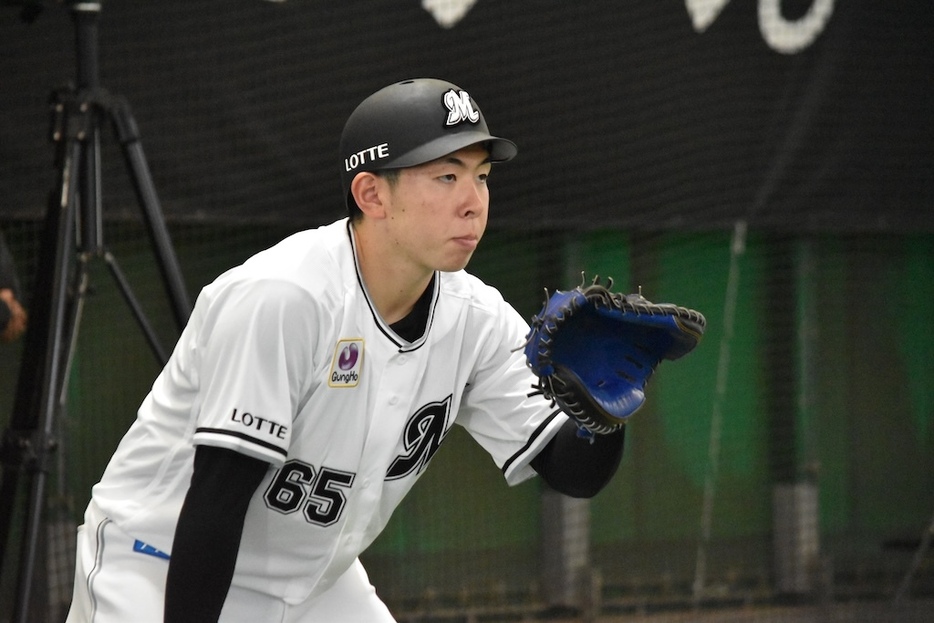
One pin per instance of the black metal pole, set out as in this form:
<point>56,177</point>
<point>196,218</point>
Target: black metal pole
<point>85,16</point>
<point>74,229</point>
<point>51,381</point>
<point>128,137</point>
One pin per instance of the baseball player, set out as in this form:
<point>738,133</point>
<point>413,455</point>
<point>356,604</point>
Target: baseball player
<point>313,385</point>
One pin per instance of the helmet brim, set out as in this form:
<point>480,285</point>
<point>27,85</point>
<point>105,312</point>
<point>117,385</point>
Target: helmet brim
<point>501,149</point>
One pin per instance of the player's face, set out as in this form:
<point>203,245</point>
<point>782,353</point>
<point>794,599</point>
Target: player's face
<point>439,209</point>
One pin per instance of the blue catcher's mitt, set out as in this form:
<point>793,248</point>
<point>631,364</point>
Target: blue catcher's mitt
<point>594,350</point>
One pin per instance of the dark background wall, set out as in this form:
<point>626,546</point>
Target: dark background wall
<point>625,114</point>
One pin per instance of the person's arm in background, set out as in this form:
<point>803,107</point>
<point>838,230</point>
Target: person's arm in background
<point>13,316</point>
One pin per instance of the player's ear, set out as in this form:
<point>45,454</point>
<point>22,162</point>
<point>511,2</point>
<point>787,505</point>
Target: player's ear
<point>367,191</point>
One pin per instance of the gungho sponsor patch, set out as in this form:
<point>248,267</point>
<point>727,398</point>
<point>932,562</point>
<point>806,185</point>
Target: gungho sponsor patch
<point>347,365</point>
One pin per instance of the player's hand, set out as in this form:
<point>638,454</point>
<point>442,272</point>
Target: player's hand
<point>18,317</point>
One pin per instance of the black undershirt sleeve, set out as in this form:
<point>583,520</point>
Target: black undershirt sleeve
<point>207,537</point>
<point>579,467</point>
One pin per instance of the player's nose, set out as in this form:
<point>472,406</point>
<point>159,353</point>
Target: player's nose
<point>474,199</point>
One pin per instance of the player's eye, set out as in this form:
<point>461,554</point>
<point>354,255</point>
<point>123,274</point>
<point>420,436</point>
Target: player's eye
<point>448,177</point>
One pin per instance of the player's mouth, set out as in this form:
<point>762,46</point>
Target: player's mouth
<point>468,242</point>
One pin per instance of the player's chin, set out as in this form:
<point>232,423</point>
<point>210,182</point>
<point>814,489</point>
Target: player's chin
<point>454,262</point>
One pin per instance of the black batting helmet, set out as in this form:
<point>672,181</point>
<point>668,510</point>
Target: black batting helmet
<point>413,122</point>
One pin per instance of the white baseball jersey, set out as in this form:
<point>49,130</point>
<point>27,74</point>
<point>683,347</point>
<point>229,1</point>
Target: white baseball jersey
<point>285,359</point>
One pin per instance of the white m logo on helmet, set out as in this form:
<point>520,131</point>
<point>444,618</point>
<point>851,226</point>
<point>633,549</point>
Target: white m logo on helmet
<point>459,108</point>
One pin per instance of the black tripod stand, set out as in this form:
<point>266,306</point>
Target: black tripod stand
<point>73,237</point>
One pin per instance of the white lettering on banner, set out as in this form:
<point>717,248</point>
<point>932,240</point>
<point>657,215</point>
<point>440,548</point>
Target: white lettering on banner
<point>704,12</point>
<point>370,154</point>
<point>448,13</point>
<point>459,108</point>
<point>789,37</point>
<point>782,35</point>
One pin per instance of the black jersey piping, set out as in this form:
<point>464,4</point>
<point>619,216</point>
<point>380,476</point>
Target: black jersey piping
<point>404,347</point>
<point>532,438</point>
<point>245,437</point>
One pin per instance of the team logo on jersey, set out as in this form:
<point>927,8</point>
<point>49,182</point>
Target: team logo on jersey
<point>460,108</point>
<point>144,548</point>
<point>422,437</point>
<point>347,364</point>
